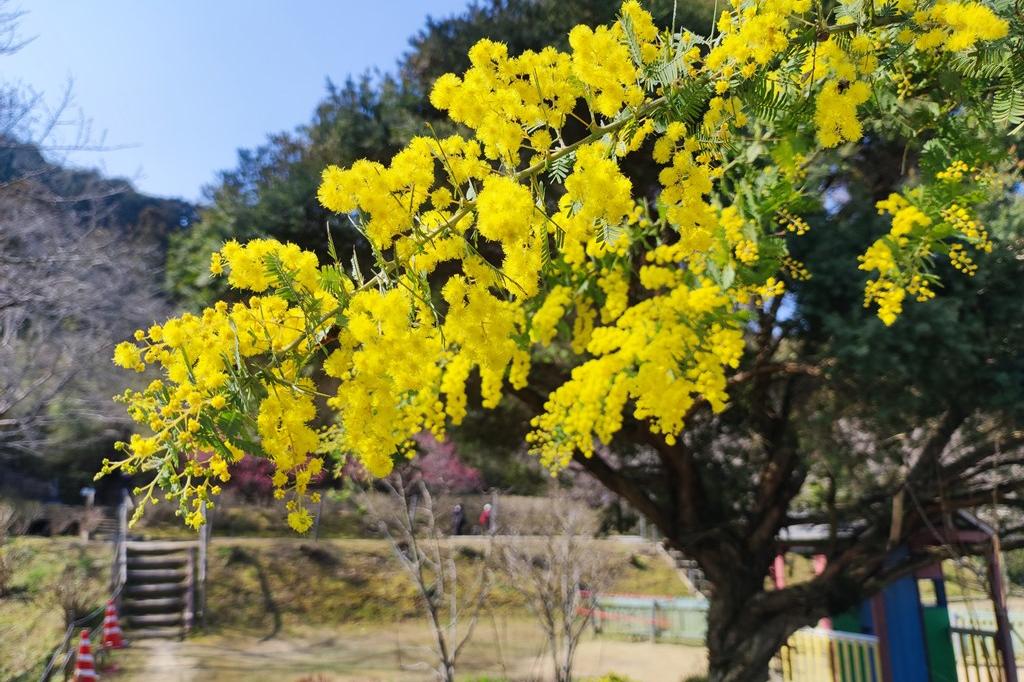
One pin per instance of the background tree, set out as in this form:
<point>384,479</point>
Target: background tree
<point>62,289</point>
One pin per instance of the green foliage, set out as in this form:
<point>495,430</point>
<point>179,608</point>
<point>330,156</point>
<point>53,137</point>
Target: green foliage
<point>1015,566</point>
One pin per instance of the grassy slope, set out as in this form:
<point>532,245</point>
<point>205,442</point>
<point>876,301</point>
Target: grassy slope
<point>270,583</point>
<point>31,619</point>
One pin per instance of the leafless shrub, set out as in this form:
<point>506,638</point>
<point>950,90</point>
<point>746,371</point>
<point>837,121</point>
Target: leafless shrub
<point>533,515</point>
<point>8,517</point>
<point>451,607</point>
<point>65,287</point>
<point>556,571</point>
<point>26,513</point>
<point>63,519</point>
<point>76,590</point>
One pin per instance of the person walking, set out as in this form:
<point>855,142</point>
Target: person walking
<point>486,520</point>
<point>458,520</point>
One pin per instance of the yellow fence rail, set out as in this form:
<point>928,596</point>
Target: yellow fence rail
<point>816,655</point>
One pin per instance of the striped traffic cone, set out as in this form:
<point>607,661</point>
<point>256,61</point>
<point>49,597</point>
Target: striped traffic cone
<point>112,638</point>
<point>84,668</point>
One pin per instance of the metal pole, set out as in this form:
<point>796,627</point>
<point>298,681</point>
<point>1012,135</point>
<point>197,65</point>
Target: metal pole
<point>204,539</point>
<point>1004,637</point>
<point>316,522</point>
<point>122,542</point>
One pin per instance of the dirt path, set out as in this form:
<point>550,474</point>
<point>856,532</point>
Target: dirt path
<point>165,660</point>
<point>511,650</point>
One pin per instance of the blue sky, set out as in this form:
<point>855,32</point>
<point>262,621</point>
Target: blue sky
<point>182,84</point>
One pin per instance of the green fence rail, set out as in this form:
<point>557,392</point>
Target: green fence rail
<point>661,619</point>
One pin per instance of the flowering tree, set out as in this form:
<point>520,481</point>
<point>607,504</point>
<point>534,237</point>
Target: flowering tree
<point>440,467</point>
<point>522,256</point>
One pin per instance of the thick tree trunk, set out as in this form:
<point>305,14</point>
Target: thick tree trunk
<point>740,647</point>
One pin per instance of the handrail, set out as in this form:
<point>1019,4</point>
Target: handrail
<point>69,632</point>
<point>842,636</point>
<point>118,578</point>
<point>977,632</point>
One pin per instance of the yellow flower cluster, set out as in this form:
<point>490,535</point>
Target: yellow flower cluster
<point>686,182</point>
<point>502,98</point>
<point>485,329</point>
<point>597,194</point>
<point>654,291</point>
<point>754,33</point>
<point>795,269</point>
<point>388,360</point>
<point>956,26</point>
<point>955,172</point>
<point>961,261</point>
<point>615,285</point>
<point>835,115</point>
<point>544,323</point>
<point>505,214</point>
<point>961,220</point>
<point>601,61</point>
<point>900,257</point>
<point>793,223</point>
<point>910,229</point>
<point>639,21</point>
<point>200,356</point>
<point>664,353</point>
<point>390,195</point>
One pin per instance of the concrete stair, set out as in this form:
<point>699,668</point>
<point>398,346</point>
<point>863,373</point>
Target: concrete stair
<point>159,594</point>
<point>107,528</point>
<point>690,572</point>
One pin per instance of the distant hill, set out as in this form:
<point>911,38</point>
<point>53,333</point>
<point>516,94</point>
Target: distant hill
<point>95,200</point>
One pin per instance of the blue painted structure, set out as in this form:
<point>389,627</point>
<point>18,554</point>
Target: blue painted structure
<point>915,642</point>
<point>907,655</point>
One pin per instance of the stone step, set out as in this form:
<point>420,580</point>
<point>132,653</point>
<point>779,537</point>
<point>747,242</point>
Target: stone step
<point>159,546</point>
<point>156,575</point>
<point>152,604</point>
<point>152,589</point>
<point>156,633</point>
<point>156,561</point>
<point>155,620</point>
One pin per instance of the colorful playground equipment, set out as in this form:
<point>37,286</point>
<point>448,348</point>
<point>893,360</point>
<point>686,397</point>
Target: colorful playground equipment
<point>904,633</point>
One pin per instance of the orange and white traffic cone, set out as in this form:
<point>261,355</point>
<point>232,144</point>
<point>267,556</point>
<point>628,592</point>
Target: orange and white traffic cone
<point>112,638</point>
<point>84,668</point>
